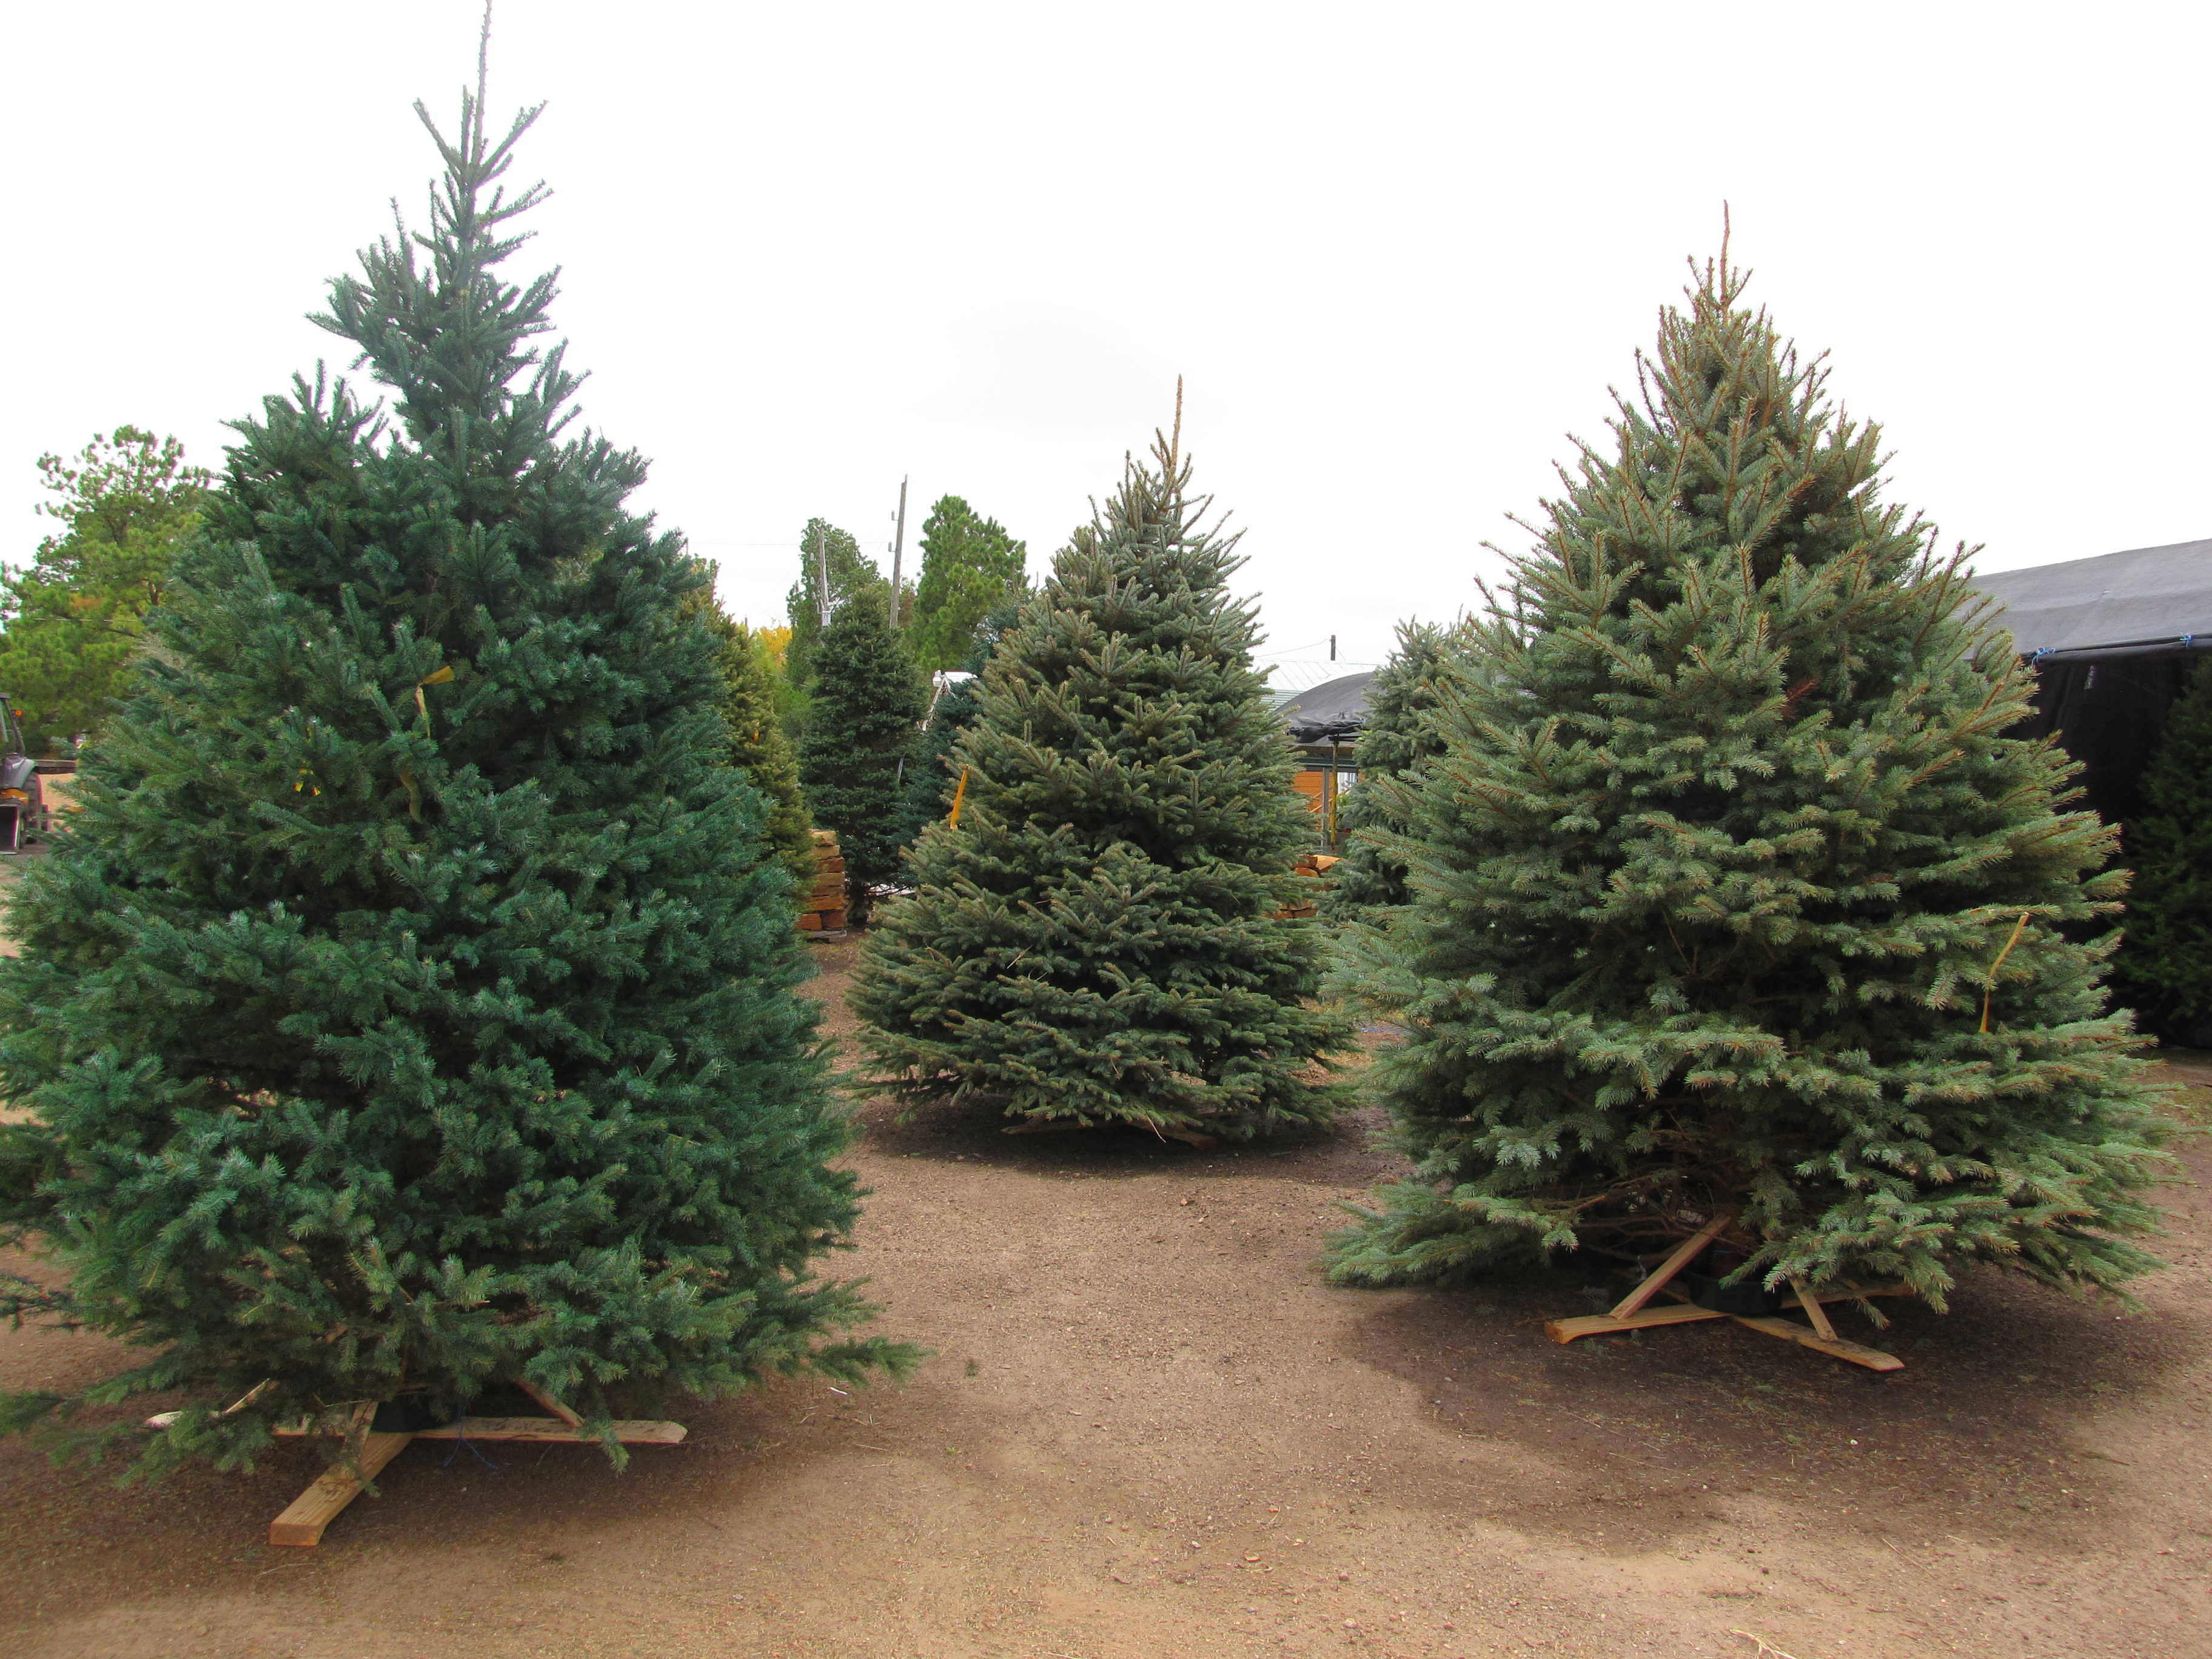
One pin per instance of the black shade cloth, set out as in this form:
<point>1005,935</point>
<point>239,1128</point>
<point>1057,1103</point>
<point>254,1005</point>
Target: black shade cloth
<point>1333,710</point>
<point>2113,641</point>
<point>2109,716</point>
<point>2150,595</point>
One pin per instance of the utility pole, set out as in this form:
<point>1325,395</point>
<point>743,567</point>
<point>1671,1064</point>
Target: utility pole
<point>1332,647</point>
<point>898,554</point>
<point>822,575</point>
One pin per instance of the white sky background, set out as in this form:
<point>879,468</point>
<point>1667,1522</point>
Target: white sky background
<point>1399,251</point>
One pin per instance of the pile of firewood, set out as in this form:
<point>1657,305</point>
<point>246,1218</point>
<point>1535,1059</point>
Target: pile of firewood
<point>1314,865</point>
<point>821,911</point>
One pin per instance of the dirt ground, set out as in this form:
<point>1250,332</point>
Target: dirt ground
<point>1151,1429</point>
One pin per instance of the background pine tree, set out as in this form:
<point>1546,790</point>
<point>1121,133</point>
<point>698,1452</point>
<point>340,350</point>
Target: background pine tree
<point>862,722</point>
<point>931,776</point>
<point>850,572</point>
<point>969,566</point>
<point>2165,965</point>
<point>75,616</point>
<point>758,745</point>
<point>1396,739</point>
<point>1097,938</point>
<point>1717,872</point>
<point>373,1044</point>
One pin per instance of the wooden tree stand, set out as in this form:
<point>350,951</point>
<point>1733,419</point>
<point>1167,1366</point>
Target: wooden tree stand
<point>1631,1314</point>
<point>302,1522</point>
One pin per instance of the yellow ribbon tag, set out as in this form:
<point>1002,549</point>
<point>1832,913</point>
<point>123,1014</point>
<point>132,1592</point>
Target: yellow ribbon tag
<point>438,677</point>
<point>959,793</point>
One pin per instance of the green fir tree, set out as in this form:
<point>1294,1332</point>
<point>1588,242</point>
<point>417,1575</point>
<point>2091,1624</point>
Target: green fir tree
<point>75,616</point>
<point>969,566</point>
<point>861,726</point>
<point>1098,940</point>
<point>1396,739</point>
<point>1716,885</point>
<point>410,1007</point>
<point>758,745</point>
<point>2165,963</point>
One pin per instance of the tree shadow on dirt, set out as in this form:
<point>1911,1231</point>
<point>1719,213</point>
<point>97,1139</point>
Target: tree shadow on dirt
<point>76,1544</point>
<point>1988,1431</point>
<point>1340,1155</point>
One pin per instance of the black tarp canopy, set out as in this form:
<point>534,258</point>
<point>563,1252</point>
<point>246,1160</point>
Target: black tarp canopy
<point>1333,712</point>
<point>2112,640</point>
<point>2147,601</point>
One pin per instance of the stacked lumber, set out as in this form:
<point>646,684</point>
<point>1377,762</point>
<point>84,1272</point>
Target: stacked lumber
<point>1316,866</point>
<point>822,909</point>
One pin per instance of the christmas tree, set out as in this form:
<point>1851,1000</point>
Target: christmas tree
<point>1395,739</point>
<point>969,565</point>
<point>1732,897</point>
<point>756,740</point>
<point>2165,965</point>
<point>410,1007</point>
<point>861,724</point>
<point>1096,940</point>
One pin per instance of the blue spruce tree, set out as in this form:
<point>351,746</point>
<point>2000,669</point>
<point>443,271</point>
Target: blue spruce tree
<point>410,1007</point>
<point>1098,941</point>
<point>1731,897</point>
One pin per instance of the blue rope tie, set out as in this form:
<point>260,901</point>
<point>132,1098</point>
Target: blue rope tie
<point>460,1440</point>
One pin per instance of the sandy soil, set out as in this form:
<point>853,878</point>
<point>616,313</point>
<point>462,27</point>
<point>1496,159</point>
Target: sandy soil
<point>1151,1430</point>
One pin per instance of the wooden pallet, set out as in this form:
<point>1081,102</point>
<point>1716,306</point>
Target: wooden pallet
<point>822,907</point>
<point>1633,1312</point>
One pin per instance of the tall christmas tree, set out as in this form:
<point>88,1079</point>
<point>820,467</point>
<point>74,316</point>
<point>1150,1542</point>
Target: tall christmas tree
<point>410,1005</point>
<point>1731,896</point>
<point>2164,966</point>
<point>1096,940</point>
<point>861,726</point>
<point>756,740</point>
<point>1396,739</point>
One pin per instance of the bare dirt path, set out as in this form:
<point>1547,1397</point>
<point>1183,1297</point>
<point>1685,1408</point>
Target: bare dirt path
<point>1151,1430</point>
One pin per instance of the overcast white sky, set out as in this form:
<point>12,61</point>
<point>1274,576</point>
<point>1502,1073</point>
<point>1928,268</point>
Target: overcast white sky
<point>1399,251</point>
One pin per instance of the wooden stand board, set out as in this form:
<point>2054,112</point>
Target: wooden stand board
<point>1632,1313</point>
<point>302,1522</point>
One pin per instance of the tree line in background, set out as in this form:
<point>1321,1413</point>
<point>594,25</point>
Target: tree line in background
<point>413,1008</point>
<point>828,720</point>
